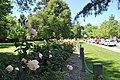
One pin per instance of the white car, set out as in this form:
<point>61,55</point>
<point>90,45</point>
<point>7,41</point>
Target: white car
<point>110,42</point>
<point>102,41</point>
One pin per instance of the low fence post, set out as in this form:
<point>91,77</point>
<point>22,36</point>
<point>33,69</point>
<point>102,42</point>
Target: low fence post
<point>82,58</point>
<point>97,71</point>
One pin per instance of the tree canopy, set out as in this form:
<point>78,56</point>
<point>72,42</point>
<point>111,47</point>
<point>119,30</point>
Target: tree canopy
<point>95,7</point>
<point>109,28</point>
<point>89,30</point>
<point>5,9</point>
<point>53,20</point>
<point>77,30</point>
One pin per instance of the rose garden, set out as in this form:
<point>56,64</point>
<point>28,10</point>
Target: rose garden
<point>42,39</point>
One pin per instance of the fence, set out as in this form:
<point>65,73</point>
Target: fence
<point>97,67</point>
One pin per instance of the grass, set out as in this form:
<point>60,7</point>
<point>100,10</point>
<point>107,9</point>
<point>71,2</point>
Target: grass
<point>6,45</point>
<point>7,48</point>
<point>109,59</point>
<point>10,48</point>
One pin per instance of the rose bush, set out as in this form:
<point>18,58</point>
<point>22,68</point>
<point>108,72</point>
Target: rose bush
<point>34,61</point>
<point>37,62</point>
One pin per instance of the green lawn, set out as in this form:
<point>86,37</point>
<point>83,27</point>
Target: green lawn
<point>109,59</point>
<point>7,52</point>
<point>10,48</point>
<point>7,47</point>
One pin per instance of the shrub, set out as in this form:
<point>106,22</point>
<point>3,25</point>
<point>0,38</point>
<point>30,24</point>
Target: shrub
<point>37,62</point>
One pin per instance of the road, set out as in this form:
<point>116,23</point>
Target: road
<point>112,48</point>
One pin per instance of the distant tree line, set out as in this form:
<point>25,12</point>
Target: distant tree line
<point>108,29</point>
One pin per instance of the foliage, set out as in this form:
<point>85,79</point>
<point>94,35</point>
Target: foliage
<point>40,5</point>
<point>77,31</point>
<point>5,8</point>
<point>50,67</point>
<point>53,20</point>
<point>108,29</point>
<point>95,7</point>
<point>24,5</point>
<point>16,28</point>
<point>89,30</point>
<point>34,61</point>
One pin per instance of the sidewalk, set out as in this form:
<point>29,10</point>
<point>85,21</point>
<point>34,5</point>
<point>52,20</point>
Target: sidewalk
<point>76,73</point>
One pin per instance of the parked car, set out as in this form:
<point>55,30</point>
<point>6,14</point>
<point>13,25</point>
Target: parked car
<point>102,41</point>
<point>97,41</point>
<point>92,40</point>
<point>118,40</point>
<point>110,42</point>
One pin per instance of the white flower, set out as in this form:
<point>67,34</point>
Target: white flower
<point>24,60</point>
<point>40,55</point>
<point>23,67</point>
<point>49,51</point>
<point>33,64</point>
<point>70,67</point>
<point>32,32</point>
<point>50,56</point>
<point>17,68</point>
<point>9,68</point>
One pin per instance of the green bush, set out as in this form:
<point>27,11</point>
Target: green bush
<point>49,59</point>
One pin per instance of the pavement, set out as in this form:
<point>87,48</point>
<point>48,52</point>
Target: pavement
<point>76,73</point>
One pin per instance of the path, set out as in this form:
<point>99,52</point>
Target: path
<point>76,73</point>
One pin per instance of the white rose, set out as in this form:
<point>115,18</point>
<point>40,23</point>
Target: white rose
<point>50,56</point>
<point>33,64</point>
<point>49,51</point>
<point>32,32</point>
<point>23,67</point>
<point>40,56</point>
<point>70,67</point>
<point>9,68</point>
<point>24,60</point>
<point>17,68</point>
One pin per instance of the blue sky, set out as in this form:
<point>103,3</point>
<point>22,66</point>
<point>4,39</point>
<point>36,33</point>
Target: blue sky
<point>77,5</point>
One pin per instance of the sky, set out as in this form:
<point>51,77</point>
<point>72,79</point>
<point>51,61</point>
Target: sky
<point>77,5</point>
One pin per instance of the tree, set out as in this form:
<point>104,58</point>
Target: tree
<point>97,33</point>
<point>24,5</point>
<point>5,8</point>
<point>113,24</point>
<point>16,28</point>
<point>77,31</point>
<point>95,7</point>
<point>11,27</point>
<point>109,28</point>
<point>89,30</point>
<point>40,5</point>
<point>53,20</point>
